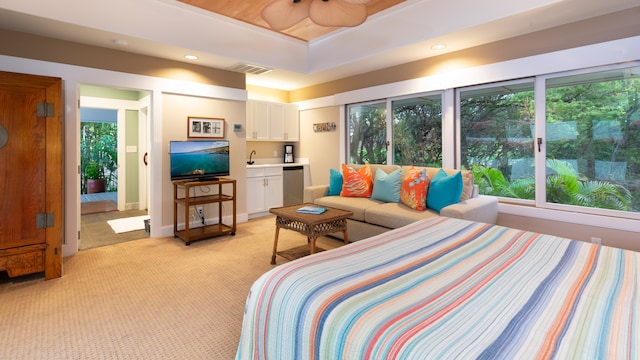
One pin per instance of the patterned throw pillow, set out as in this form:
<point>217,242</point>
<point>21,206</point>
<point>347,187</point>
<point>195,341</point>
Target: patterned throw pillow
<point>415,186</point>
<point>356,183</point>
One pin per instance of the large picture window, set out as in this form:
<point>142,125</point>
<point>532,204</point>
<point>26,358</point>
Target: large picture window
<point>417,131</point>
<point>568,141</point>
<point>593,140</point>
<point>409,134</point>
<point>497,127</point>
<point>367,133</point>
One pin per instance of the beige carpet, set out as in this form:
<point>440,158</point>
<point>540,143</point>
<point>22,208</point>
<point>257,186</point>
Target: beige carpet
<point>142,299</point>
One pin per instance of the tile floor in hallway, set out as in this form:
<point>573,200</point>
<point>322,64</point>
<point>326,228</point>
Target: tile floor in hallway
<point>94,230</point>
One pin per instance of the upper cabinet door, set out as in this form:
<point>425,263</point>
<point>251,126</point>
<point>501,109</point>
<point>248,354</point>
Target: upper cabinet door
<point>276,121</point>
<point>258,120</point>
<point>291,123</point>
<point>269,121</point>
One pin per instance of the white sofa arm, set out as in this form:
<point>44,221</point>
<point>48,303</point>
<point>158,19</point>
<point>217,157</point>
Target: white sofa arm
<point>482,208</point>
<point>311,193</point>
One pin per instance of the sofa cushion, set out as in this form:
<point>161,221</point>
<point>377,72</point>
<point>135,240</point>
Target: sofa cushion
<point>335,182</point>
<point>444,190</point>
<point>395,215</point>
<point>356,183</point>
<point>415,184</point>
<point>357,205</point>
<point>386,187</point>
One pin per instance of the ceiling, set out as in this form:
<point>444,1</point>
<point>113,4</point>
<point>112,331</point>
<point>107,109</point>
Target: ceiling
<point>399,34</point>
<point>249,12</point>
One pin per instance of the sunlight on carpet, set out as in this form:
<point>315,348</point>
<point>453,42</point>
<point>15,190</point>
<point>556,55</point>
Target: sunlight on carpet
<point>128,224</point>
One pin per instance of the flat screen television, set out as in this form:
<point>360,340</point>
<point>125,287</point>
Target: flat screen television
<point>199,160</point>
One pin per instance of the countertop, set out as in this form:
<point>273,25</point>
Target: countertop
<point>276,164</point>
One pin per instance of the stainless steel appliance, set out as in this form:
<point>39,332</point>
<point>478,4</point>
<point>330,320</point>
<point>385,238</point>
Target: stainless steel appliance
<point>293,185</point>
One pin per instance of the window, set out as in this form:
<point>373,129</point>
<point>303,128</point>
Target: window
<point>568,141</point>
<point>413,131</point>
<point>593,140</point>
<point>496,138</point>
<point>417,131</point>
<point>367,133</point>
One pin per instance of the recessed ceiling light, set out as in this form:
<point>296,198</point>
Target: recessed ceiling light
<point>191,57</point>
<point>120,42</point>
<point>438,47</point>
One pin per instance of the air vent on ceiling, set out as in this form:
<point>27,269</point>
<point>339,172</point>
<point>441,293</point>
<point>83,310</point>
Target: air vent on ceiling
<point>250,69</point>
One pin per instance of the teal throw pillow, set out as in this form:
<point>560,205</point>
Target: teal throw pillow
<point>444,190</point>
<point>335,182</point>
<point>386,187</point>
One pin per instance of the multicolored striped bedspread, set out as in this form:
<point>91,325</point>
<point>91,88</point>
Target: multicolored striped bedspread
<point>449,289</point>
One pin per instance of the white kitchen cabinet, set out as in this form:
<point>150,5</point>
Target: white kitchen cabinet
<point>270,121</point>
<point>264,189</point>
<point>258,120</point>
<point>291,123</point>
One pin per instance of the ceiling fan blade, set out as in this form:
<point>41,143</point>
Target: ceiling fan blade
<point>283,14</point>
<point>337,13</point>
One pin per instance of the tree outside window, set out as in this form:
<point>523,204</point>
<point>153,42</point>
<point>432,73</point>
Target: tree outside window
<point>410,135</point>
<point>497,137</point>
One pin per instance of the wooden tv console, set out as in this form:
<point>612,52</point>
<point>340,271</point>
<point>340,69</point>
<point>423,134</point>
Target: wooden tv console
<point>183,197</point>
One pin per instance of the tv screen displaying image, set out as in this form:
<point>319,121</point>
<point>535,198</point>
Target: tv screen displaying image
<point>199,160</point>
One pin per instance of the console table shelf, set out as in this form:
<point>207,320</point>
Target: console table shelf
<point>183,197</point>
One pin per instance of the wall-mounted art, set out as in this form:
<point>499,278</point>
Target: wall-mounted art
<point>328,126</point>
<point>202,127</point>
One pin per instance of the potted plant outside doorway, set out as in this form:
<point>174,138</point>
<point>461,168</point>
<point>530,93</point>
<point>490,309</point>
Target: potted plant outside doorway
<point>96,182</point>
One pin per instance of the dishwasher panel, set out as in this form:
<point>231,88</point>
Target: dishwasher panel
<point>293,185</point>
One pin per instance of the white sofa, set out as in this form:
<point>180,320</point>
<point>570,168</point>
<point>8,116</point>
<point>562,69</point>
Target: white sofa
<point>372,217</point>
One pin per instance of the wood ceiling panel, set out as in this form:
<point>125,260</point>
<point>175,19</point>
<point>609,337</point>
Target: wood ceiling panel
<point>249,12</point>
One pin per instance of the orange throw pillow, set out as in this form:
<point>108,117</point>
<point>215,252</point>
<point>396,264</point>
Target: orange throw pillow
<point>415,186</point>
<point>356,183</point>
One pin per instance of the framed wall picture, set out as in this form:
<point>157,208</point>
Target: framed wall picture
<point>202,127</point>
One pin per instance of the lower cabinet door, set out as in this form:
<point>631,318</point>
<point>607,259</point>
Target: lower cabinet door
<point>273,194</point>
<point>255,195</point>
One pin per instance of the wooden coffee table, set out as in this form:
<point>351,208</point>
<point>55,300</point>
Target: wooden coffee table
<point>312,225</point>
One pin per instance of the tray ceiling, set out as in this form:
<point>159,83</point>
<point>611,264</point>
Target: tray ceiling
<point>249,12</point>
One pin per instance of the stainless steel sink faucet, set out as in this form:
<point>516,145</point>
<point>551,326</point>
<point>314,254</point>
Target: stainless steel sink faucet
<point>250,162</point>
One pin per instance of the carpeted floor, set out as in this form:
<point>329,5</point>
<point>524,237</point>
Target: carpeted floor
<point>143,299</point>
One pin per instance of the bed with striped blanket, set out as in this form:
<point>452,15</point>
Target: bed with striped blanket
<point>445,288</point>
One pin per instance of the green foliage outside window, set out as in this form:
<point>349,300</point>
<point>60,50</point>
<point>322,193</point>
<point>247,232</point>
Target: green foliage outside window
<point>368,134</point>
<point>564,186</point>
<point>417,131</point>
<point>98,154</point>
<point>416,127</point>
<point>592,140</point>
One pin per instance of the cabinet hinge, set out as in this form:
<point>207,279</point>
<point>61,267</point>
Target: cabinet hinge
<point>44,220</point>
<point>45,109</point>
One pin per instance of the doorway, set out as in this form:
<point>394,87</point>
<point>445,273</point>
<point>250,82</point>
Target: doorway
<point>117,119</point>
